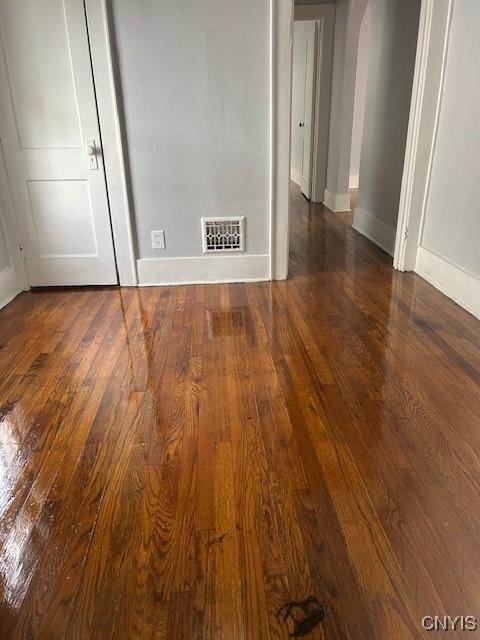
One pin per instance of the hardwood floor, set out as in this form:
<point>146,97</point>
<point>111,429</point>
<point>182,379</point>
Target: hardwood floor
<point>183,462</point>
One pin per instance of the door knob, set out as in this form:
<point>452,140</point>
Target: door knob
<point>92,151</point>
<point>301,124</point>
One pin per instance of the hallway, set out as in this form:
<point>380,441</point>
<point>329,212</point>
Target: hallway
<point>182,462</point>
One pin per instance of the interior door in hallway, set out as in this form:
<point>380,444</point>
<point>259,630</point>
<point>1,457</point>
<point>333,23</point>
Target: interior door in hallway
<point>304,45</point>
<point>51,144</point>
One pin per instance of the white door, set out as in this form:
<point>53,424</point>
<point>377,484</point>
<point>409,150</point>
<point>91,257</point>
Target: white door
<point>51,145</point>
<point>304,44</point>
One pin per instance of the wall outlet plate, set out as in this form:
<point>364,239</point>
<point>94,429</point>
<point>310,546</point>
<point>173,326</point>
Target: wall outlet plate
<point>158,239</point>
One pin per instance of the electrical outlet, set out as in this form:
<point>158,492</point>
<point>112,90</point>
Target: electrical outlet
<point>158,239</point>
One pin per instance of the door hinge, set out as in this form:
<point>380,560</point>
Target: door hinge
<point>406,235</point>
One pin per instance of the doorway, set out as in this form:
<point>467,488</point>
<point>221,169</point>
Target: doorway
<point>51,144</point>
<point>366,147</point>
<point>428,50</point>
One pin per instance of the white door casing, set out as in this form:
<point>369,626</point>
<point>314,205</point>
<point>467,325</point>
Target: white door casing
<point>49,126</point>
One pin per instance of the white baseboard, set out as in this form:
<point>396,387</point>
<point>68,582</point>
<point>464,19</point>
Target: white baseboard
<point>296,178</point>
<point>375,230</point>
<point>459,285</point>
<point>8,286</point>
<point>203,270</point>
<point>353,183</point>
<point>336,202</point>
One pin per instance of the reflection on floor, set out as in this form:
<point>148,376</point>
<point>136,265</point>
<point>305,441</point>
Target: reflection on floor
<point>241,461</point>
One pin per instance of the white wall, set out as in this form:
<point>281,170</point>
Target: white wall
<point>450,245</point>
<point>389,90</point>
<point>452,221</point>
<point>360,97</point>
<point>195,81</point>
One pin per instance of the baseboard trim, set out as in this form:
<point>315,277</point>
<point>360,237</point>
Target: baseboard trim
<point>296,178</point>
<point>336,202</point>
<point>459,285</point>
<point>375,230</point>
<point>354,182</point>
<point>203,270</point>
<point>8,286</point>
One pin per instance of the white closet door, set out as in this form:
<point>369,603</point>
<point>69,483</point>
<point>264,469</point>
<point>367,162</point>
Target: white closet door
<point>51,143</point>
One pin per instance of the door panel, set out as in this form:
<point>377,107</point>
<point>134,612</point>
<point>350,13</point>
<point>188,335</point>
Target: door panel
<point>307,128</point>
<point>48,120</point>
<point>57,234</point>
<point>41,87</point>
<point>304,56</point>
<point>298,99</point>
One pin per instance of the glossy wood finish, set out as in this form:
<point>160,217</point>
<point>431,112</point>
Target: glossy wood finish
<point>179,463</point>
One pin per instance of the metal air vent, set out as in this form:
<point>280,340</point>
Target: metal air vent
<point>221,235</point>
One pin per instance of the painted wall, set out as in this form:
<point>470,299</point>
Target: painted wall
<point>360,97</point>
<point>452,219</point>
<point>194,78</point>
<point>389,89</point>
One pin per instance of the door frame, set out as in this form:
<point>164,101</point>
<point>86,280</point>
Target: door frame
<point>283,13</point>
<point>434,30</point>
